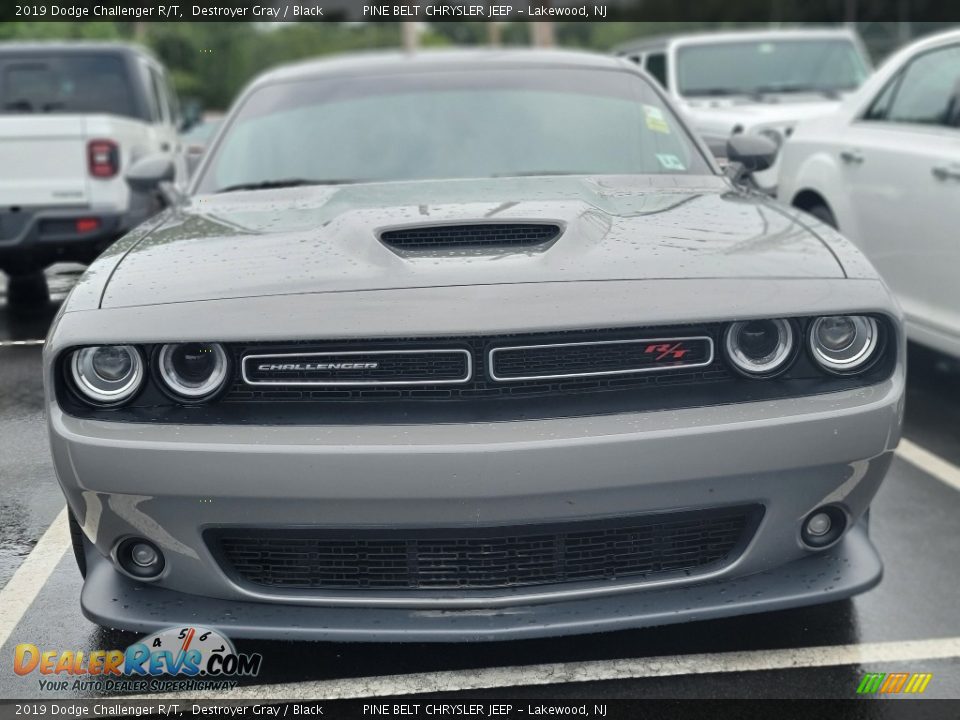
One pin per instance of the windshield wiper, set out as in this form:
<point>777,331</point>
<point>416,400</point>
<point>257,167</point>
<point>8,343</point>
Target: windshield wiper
<point>545,173</point>
<point>764,90</point>
<point>19,106</point>
<point>285,183</point>
<point>713,92</point>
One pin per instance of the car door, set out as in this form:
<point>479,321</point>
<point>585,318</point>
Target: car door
<point>164,131</point>
<point>901,165</point>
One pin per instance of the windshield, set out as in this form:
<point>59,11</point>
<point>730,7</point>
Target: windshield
<point>460,124</point>
<point>769,66</point>
<point>65,83</point>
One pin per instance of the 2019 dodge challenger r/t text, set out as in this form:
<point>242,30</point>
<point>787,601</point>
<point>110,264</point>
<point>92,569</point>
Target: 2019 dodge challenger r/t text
<point>470,345</point>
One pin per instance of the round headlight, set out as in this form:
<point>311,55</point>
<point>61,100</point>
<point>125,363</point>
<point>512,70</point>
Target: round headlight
<point>760,347</point>
<point>193,370</point>
<point>843,343</point>
<point>107,374</point>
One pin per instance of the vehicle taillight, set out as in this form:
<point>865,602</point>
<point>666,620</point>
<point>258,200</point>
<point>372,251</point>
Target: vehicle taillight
<point>85,225</point>
<point>103,158</point>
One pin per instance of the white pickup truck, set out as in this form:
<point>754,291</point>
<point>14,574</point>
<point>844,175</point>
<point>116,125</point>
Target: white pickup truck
<point>756,82</point>
<point>73,116</point>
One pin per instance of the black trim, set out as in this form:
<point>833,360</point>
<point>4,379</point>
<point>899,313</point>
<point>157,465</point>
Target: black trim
<point>483,399</point>
<point>671,535</point>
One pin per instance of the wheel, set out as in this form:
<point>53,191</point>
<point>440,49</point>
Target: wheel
<point>28,291</point>
<point>824,215</point>
<point>77,541</point>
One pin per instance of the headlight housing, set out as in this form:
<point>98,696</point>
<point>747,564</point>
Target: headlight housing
<point>193,371</point>
<point>760,348</point>
<point>844,344</point>
<point>107,374</point>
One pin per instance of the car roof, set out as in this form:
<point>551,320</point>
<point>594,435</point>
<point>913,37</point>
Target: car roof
<point>659,42</point>
<point>433,60</point>
<point>74,46</point>
<point>927,42</point>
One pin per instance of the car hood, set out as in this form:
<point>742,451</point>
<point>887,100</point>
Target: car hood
<point>326,239</point>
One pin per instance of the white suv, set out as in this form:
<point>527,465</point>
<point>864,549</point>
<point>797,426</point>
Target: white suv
<point>885,170</point>
<point>73,116</point>
<point>755,82</point>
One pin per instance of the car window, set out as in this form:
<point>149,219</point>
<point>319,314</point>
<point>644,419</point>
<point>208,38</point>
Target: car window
<point>157,93</point>
<point>173,102</point>
<point>880,107</point>
<point>769,66</point>
<point>929,92</point>
<point>66,83</point>
<point>459,124</point>
<point>656,65</point>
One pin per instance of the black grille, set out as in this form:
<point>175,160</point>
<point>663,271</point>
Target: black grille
<point>381,368</point>
<point>600,358</point>
<point>486,558</point>
<point>484,235</point>
<point>481,386</point>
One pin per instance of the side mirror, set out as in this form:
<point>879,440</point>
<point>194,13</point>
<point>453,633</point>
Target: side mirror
<point>753,152</point>
<point>148,173</point>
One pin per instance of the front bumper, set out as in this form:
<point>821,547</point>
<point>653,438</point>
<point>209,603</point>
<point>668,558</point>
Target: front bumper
<point>162,483</point>
<point>850,567</point>
<point>33,237</point>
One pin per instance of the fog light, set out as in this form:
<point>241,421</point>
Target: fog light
<point>145,556</point>
<point>140,558</point>
<point>823,527</point>
<point>818,525</point>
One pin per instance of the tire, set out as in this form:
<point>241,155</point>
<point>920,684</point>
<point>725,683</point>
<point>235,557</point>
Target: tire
<point>77,541</point>
<point>28,292</point>
<point>824,215</point>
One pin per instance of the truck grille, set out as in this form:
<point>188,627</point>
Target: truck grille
<point>487,558</point>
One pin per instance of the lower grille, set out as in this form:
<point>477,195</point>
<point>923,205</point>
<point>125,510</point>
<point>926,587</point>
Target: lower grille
<point>486,558</point>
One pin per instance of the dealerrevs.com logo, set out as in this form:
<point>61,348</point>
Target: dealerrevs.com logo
<point>178,658</point>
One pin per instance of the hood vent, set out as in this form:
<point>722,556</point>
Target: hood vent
<point>470,237</point>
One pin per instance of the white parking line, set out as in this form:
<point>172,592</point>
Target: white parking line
<point>19,593</point>
<point>909,651</point>
<point>944,471</point>
<point>17,343</point>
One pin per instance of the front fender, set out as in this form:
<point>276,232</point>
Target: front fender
<point>821,173</point>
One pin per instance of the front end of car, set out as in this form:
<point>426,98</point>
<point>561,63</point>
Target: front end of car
<point>491,462</point>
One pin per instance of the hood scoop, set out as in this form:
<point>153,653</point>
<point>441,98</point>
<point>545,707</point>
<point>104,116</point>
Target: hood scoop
<point>489,236</point>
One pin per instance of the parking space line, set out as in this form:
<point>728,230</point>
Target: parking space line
<point>932,464</point>
<point>908,651</point>
<point>18,594</point>
<point>17,343</point>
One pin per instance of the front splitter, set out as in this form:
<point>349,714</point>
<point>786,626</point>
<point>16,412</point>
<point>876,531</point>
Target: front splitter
<point>853,566</point>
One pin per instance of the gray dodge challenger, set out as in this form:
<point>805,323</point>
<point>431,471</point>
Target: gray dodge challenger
<point>469,346</point>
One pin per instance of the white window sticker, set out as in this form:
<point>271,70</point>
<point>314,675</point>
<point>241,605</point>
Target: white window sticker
<point>670,162</point>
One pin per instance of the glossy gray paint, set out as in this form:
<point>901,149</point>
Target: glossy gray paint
<point>306,263</point>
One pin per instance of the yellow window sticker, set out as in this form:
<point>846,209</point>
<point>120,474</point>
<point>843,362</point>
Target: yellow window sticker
<point>655,119</point>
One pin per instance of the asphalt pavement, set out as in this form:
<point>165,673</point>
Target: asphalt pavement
<point>910,623</point>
